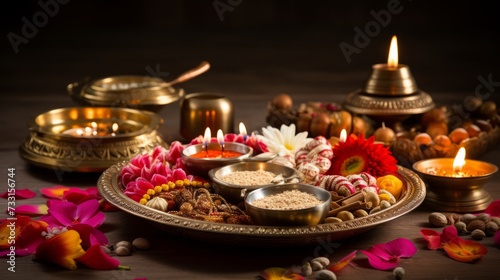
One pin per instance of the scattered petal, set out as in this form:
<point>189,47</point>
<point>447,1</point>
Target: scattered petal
<point>55,191</point>
<point>96,258</point>
<point>464,250</point>
<point>61,249</point>
<point>19,194</point>
<point>496,238</point>
<point>433,238</point>
<point>32,209</point>
<point>386,256</point>
<point>28,234</point>
<point>90,235</point>
<point>343,262</point>
<point>493,209</point>
<point>278,273</point>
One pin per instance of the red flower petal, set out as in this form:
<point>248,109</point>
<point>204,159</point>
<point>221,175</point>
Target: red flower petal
<point>61,249</point>
<point>380,263</point>
<point>464,250</point>
<point>496,238</point>
<point>449,233</point>
<point>343,262</point>
<point>493,209</point>
<point>433,238</point>
<point>20,194</point>
<point>55,191</point>
<point>401,248</point>
<point>90,235</point>
<point>96,258</point>
<point>31,209</point>
<point>27,235</point>
<point>278,273</point>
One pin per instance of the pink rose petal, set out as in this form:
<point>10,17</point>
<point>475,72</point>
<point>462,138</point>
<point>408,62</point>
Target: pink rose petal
<point>19,194</point>
<point>493,209</point>
<point>31,209</point>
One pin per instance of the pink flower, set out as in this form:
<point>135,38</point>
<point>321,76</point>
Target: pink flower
<point>65,213</point>
<point>436,240</point>
<point>386,256</point>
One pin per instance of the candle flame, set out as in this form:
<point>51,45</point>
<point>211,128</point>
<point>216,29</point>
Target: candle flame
<point>343,135</point>
<point>459,160</point>
<point>94,125</point>
<point>207,136</point>
<point>220,137</point>
<point>243,129</point>
<point>392,60</point>
<point>114,127</point>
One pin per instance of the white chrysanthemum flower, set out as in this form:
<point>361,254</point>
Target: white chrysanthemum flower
<point>284,141</point>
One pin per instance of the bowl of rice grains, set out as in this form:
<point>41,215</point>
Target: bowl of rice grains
<point>234,181</point>
<point>292,204</point>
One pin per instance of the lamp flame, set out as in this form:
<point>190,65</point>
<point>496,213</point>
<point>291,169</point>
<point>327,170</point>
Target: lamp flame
<point>343,135</point>
<point>220,137</point>
<point>392,60</point>
<point>207,136</point>
<point>459,160</point>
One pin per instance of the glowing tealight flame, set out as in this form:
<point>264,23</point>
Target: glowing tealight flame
<point>114,127</point>
<point>343,135</point>
<point>459,160</point>
<point>392,60</point>
<point>207,136</point>
<point>243,129</point>
<point>220,137</point>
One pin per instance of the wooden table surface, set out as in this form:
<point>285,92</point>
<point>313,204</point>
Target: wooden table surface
<point>249,66</point>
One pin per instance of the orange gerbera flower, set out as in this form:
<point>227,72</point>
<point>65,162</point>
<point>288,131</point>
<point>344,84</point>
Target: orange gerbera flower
<point>357,155</point>
<point>62,249</point>
<point>464,250</point>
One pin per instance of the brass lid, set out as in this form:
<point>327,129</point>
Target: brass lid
<point>130,91</point>
<point>394,82</point>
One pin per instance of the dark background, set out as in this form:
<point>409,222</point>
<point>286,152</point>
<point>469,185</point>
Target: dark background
<point>259,48</point>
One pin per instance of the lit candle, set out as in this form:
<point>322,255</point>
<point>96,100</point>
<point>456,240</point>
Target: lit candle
<point>343,135</point>
<point>220,139</point>
<point>392,59</point>
<point>94,129</point>
<point>459,161</point>
<point>114,129</point>
<point>206,139</point>
<point>243,131</point>
<point>335,140</point>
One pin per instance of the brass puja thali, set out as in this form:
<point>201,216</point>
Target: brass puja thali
<point>90,139</point>
<point>109,185</point>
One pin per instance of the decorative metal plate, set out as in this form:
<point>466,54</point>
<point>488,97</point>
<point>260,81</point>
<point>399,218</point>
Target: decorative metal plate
<point>242,235</point>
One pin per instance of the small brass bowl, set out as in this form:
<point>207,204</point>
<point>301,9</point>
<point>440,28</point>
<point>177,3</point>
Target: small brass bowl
<point>53,143</point>
<point>456,194</point>
<point>201,166</point>
<point>128,91</point>
<point>236,193</point>
<point>301,217</point>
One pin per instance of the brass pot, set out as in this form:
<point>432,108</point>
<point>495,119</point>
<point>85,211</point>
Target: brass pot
<point>90,139</point>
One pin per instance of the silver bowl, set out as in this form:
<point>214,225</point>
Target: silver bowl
<point>201,166</point>
<point>236,193</point>
<point>301,217</point>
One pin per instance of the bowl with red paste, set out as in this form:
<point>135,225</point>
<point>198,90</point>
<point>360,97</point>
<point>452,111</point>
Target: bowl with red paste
<point>199,159</point>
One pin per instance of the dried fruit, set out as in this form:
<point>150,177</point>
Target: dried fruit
<point>496,220</point>
<point>467,218</point>
<point>438,219</point>
<point>476,224</point>
<point>477,234</point>
<point>306,269</point>
<point>325,274</point>
<point>491,228</point>
<point>458,134</point>
<point>398,273</point>
<point>315,265</point>
<point>124,243</point>
<point>452,218</point>
<point>141,243</point>
<point>461,228</point>
<point>345,215</point>
<point>485,217</point>
<point>122,251</point>
<point>322,260</point>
